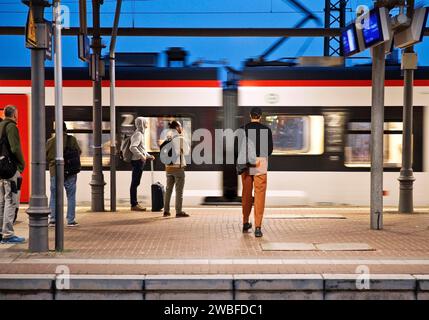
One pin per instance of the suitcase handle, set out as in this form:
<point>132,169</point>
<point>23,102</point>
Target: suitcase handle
<point>151,171</point>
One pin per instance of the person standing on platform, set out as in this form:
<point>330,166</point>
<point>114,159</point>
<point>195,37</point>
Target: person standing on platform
<point>138,160</point>
<point>175,170</point>
<point>11,146</point>
<point>259,141</point>
<point>70,143</point>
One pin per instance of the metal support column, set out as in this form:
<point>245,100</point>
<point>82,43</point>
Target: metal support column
<point>97,182</point>
<point>377,135</point>
<point>38,210</point>
<point>112,72</point>
<point>230,178</point>
<point>406,178</point>
<point>112,135</point>
<point>59,157</point>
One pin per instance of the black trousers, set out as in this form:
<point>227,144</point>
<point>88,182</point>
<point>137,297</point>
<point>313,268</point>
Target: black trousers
<point>137,172</point>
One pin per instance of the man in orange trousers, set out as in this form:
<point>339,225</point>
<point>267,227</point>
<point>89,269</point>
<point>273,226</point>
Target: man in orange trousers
<point>254,178</point>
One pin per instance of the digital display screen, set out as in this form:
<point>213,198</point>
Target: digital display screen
<point>349,41</point>
<point>371,29</point>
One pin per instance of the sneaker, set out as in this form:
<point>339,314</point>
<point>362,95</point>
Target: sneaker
<point>182,215</point>
<point>138,208</point>
<point>72,224</point>
<point>13,239</point>
<point>258,232</point>
<point>51,224</point>
<point>246,227</point>
<point>166,214</point>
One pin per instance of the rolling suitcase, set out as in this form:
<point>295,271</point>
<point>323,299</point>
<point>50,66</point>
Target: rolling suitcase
<point>158,192</point>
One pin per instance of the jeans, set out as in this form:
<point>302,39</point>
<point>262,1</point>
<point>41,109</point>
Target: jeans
<point>137,172</point>
<point>70,186</point>
<point>175,178</point>
<point>8,205</point>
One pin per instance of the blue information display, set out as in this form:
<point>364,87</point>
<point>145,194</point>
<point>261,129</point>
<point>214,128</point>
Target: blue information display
<point>372,30</point>
<point>349,40</point>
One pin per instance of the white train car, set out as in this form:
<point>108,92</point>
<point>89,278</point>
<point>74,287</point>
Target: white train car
<point>193,95</point>
<point>321,120</point>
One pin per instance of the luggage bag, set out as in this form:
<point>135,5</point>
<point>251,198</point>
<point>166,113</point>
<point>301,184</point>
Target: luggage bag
<point>158,191</point>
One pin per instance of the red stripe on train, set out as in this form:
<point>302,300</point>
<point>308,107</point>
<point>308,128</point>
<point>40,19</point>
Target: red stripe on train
<point>324,83</point>
<point>122,83</point>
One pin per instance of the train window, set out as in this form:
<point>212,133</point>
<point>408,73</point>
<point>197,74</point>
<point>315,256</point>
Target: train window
<point>296,135</point>
<point>357,149</point>
<point>156,128</point>
<point>366,126</point>
<point>82,131</point>
<point>85,142</point>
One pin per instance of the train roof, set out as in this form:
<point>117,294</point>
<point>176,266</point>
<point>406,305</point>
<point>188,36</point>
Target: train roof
<point>122,73</point>
<point>325,73</point>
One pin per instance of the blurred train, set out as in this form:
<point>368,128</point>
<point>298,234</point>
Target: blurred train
<point>320,118</point>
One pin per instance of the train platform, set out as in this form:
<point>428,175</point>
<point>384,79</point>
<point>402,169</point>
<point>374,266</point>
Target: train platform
<point>297,240</point>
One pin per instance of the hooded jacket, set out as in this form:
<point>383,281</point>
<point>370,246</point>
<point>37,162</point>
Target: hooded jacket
<point>137,146</point>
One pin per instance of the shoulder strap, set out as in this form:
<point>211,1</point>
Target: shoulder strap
<point>181,151</point>
<point>4,138</point>
<point>4,129</point>
<point>67,145</point>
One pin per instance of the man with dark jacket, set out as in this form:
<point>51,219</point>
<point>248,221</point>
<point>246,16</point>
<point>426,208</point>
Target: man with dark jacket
<point>9,187</point>
<point>69,181</point>
<point>259,138</point>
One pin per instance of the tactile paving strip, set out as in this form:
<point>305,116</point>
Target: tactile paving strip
<point>298,246</point>
<point>303,216</point>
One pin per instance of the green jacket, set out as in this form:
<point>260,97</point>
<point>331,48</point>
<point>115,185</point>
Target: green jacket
<point>69,141</point>
<point>14,142</point>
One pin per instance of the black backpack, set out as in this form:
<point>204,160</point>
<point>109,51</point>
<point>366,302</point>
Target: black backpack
<point>8,165</point>
<point>72,163</point>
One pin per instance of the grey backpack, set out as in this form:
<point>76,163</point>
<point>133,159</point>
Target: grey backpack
<point>125,153</point>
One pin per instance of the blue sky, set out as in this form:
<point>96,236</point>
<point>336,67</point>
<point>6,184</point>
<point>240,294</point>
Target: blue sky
<point>187,13</point>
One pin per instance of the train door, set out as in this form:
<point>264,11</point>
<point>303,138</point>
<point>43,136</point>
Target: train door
<point>21,103</point>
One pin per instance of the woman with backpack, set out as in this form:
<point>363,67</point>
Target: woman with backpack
<point>173,152</point>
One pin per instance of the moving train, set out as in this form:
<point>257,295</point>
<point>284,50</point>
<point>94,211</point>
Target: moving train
<point>320,118</point>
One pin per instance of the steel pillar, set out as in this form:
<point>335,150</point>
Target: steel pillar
<point>59,144</point>
<point>38,210</point>
<point>406,178</point>
<point>97,182</point>
<point>377,135</point>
